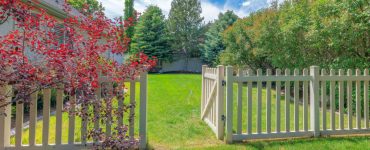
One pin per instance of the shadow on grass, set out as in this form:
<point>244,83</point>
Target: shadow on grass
<point>300,141</point>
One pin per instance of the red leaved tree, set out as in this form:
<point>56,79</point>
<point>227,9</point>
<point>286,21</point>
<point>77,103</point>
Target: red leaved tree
<point>35,56</point>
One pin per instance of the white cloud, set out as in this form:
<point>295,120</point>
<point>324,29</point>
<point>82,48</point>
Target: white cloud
<point>246,3</point>
<point>210,11</point>
<point>113,8</point>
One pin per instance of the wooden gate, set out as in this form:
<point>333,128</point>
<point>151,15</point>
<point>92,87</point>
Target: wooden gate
<point>212,104</point>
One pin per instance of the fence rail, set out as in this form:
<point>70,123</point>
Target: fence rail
<point>297,103</point>
<point>5,121</point>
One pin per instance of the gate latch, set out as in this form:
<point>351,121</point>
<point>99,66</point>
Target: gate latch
<point>223,117</point>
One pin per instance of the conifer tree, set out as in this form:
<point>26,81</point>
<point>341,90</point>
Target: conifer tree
<point>150,35</point>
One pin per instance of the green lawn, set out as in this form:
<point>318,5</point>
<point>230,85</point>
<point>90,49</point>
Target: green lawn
<point>174,121</point>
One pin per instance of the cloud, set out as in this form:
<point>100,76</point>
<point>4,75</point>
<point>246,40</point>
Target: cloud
<point>246,3</point>
<point>210,10</point>
<point>113,8</point>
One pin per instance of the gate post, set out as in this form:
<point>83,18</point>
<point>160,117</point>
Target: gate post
<point>314,100</point>
<point>204,67</point>
<point>229,104</point>
<point>143,111</point>
<point>220,102</point>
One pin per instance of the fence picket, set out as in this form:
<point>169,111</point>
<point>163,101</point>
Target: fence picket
<point>71,122</point>
<point>341,100</point>
<point>120,98</point>
<point>296,102</point>
<point>287,102</point>
<point>46,116</point>
<point>366,100</point>
<point>250,102</point>
<point>268,103</point>
<point>349,99</point>
<point>239,104</point>
<point>33,119</point>
<point>358,100</point>
<point>108,124</point>
<point>132,109</point>
<point>259,103</point>
<point>58,115</point>
<point>19,124</point>
<point>97,110</point>
<point>84,118</point>
<point>305,101</point>
<point>323,100</point>
<point>332,101</point>
<point>278,92</point>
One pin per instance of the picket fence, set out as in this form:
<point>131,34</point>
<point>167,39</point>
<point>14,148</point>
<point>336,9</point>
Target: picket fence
<point>309,94</point>
<point>5,120</point>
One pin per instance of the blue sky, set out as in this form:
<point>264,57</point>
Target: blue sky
<point>211,8</point>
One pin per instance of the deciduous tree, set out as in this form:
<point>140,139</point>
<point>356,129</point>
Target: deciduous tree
<point>184,25</point>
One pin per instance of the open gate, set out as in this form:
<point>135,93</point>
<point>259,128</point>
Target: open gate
<point>212,104</point>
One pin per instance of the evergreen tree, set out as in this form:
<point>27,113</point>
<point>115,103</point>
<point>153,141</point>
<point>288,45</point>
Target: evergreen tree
<point>213,38</point>
<point>150,35</point>
<point>185,25</point>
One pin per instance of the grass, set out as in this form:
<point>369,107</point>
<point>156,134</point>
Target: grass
<point>174,121</point>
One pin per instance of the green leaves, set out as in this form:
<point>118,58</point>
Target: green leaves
<point>300,34</point>
<point>86,6</point>
<point>185,26</point>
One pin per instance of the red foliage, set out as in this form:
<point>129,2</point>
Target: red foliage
<point>34,52</point>
<point>35,56</point>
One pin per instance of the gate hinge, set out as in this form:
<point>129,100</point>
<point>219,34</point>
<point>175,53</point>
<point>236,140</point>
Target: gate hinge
<point>223,117</point>
<point>223,83</point>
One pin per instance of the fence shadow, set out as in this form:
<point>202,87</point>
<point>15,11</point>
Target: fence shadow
<point>262,144</point>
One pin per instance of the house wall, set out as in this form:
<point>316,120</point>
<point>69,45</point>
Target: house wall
<point>6,27</point>
<point>194,65</point>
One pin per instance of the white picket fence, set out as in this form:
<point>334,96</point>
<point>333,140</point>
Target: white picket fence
<point>319,116</point>
<point>5,121</point>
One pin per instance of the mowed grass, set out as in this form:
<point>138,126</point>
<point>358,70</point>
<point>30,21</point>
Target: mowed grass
<point>174,120</point>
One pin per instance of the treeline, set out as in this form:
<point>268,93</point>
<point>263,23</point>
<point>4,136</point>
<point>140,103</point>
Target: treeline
<point>298,34</point>
<point>183,34</point>
<point>179,35</point>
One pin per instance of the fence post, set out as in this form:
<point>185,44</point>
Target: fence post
<point>314,100</point>
<point>5,116</point>
<point>203,89</point>
<point>220,102</point>
<point>229,104</point>
<point>143,110</point>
